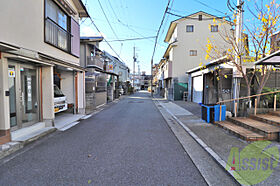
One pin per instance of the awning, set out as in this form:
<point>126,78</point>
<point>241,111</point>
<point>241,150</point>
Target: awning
<point>275,60</point>
<point>27,59</point>
<point>5,47</point>
<point>272,59</point>
<point>62,63</point>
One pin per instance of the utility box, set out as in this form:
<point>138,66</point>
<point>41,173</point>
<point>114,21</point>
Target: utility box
<point>211,113</point>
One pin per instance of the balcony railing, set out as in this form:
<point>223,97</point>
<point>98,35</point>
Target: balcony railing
<point>57,36</point>
<point>95,61</point>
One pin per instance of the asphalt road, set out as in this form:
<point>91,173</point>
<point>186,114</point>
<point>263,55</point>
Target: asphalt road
<point>128,143</point>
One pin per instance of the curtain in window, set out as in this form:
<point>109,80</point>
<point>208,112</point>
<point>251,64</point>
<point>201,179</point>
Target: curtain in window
<point>56,26</point>
<point>51,33</point>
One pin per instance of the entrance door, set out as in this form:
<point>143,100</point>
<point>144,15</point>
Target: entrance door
<point>24,104</point>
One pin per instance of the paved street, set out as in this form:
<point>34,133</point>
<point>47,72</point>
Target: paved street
<point>128,143</point>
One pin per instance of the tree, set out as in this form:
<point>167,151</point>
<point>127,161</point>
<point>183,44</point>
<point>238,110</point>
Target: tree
<point>255,42</point>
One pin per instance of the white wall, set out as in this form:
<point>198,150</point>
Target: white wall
<point>22,25</point>
<point>4,100</point>
<point>67,85</point>
<point>47,95</point>
<point>196,40</point>
<point>81,93</point>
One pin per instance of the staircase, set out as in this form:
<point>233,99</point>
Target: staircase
<point>254,128</point>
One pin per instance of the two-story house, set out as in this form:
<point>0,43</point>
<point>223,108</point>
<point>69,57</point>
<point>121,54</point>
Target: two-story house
<point>39,62</point>
<point>116,66</point>
<point>91,58</point>
<point>187,38</point>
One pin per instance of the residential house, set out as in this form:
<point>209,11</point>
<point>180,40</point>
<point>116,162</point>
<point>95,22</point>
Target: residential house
<point>145,81</point>
<point>119,68</point>
<point>39,47</point>
<point>187,38</point>
<point>212,83</point>
<point>91,58</point>
<point>158,78</point>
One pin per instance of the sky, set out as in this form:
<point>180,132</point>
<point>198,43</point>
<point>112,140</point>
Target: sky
<point>140,18</point>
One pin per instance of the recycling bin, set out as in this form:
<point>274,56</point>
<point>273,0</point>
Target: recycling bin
<point>211,112</point>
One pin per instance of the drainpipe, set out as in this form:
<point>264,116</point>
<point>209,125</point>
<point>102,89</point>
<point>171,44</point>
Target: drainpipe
<point>74,92</point>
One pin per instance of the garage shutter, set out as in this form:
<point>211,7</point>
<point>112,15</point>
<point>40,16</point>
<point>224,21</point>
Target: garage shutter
<point>197,89</point>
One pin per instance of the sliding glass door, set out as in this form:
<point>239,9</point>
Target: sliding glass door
<point>23,87</point>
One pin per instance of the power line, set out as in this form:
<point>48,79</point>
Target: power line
<point>155,46</point>
<point>107,19</point>
<point>113,10</point>
<point>156,40</point>
<point>133,39</point>
<point>126,25</point>
<point>129,25</point>
<point>105,38</point>
<point>164,26</point>
<point>207,5</point>
<point>186,17</point>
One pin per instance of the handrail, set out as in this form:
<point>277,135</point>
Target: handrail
<point>257,95</point>
<point>58,26</point>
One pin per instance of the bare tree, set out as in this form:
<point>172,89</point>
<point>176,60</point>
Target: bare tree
<point>255,42</point>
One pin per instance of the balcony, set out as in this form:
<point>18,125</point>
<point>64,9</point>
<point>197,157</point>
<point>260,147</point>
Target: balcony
<point>95,61</point>
<point>168,70</point>
<point>57,36</point>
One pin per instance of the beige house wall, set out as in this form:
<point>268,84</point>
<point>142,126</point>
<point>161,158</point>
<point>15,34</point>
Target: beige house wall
<point>4,100</point>
<point>22,25</point>
<point>197,40</point>
<point>81,92</point>
<point>48,95</point>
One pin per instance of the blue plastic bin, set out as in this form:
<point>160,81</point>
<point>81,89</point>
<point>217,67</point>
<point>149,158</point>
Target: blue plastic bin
<point>211,113</point>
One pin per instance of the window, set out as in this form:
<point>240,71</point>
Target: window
<point>190,28</point>
<point>200,17</point>
<point>193,52</point>
<point>57,26</point>
<point>214,28</point>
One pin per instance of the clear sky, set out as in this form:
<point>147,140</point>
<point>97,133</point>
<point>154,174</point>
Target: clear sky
<point>138,18</point>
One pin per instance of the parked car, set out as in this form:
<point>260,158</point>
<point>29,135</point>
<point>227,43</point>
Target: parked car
<point>60,100</point>
<point>121,91</point>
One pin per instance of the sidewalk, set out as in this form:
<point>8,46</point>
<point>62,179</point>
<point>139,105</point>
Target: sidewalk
<point>216,139</point>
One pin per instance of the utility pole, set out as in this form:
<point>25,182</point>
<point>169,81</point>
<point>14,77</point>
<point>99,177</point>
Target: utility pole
<point>152,64</point>
<point>134,60</point>
<point>238,36</point>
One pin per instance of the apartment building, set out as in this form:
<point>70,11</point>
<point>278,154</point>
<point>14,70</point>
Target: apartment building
<point>187,38</point>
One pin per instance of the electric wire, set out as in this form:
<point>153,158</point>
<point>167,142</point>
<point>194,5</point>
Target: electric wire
<point>105,39</point>
<point>107,19</point>
<point>156,40</point>
<point>133,39</point>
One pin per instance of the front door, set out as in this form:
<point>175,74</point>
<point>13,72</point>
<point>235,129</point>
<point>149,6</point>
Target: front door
<point>23,87</point>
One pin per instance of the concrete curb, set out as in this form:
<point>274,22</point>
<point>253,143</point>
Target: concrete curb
<point>99,109</point>
<point>212,153</point>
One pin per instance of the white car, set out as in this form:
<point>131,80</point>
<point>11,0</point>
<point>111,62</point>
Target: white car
<point>60,101</point>
<point>121,91</point>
